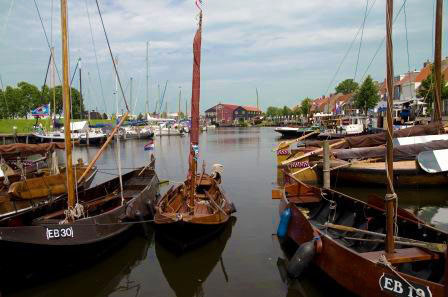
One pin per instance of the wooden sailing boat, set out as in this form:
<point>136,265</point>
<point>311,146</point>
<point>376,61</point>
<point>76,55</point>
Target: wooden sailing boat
<point>369,249</point>
<point>198,208</point>
<point>93,221</point>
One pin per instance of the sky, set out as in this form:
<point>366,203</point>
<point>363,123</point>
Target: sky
<point>288,50</point>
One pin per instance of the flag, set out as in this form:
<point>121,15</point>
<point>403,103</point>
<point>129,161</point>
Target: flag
<point>41,111</point>
<point>195,150</point>
<point>149,146</point>
<point>199,4</point>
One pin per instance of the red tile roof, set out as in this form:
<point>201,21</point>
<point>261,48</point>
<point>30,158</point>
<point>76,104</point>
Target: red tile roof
<point>408,77</point>
<point>424,73</point>
<point>251,108</point>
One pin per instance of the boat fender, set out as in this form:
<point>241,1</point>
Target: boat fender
<point>232,207</point>
<point>301,259</point>
<point>285,217</point>
<point>150,206</point>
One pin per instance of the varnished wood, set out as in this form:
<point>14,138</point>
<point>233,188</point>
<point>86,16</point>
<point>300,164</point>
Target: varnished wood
<point>405,255</point>
<point>101,150</point>
<point>66,103</point>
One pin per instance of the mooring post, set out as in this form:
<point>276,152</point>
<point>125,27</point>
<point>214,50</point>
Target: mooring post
<point>87,137</point>
<point>326,171</point>
<point>14,132</point>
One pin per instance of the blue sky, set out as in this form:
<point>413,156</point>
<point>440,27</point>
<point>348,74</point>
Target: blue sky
<point>289,50</point>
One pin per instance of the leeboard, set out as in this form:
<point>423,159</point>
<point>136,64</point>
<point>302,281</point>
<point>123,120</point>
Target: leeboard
<point>433,161</point>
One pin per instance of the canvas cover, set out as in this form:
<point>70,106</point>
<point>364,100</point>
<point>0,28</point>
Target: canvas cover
<point>22,149</point>
<point>372,140</point>
<point>401,152</point>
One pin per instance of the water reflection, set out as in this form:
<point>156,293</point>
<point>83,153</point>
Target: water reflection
<point>113,274</point>
<point>187,273</point>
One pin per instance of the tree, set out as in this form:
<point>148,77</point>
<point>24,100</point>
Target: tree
<point>286,111</point>
<point>273,111</point>
<point>305,107</point>
<point>367,96</point>
<point>347,86</point>
<point>426,90</point>
<point>75,96</point>
<point>104,116</point>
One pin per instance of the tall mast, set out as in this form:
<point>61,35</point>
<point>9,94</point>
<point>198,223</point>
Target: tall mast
<point>180,96</point>
<point>130,96</point>
<point>195,98</point>
<point>147,78</point>
<point>66,102</point>
<point>391,197</point>
<point>256,90</point>
<point>438,62</point>
<point>80,90</point>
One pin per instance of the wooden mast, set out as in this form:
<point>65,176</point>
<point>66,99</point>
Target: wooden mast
<point>66,103</point>
<point>80,90</point>
<point>147,80</point>
<point>438,62</point>
<point>195,98</point>
<point>390,199</point>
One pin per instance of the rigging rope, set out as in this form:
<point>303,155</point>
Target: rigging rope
<point>112,56</point>
<point>347,52</point>
<point>382,41</point>
<point>96,57</point>
<point>360,40</point>
<point>407,50</point>
<point>46,38</point>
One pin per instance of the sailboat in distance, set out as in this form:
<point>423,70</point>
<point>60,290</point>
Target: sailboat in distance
<point>81,225</point>
<point>197,209</point>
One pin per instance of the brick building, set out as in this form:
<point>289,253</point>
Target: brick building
<point>227,114</point>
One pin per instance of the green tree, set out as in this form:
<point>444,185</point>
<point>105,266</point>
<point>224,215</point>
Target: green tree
<point>426,90</point>
<point>367,96</point>
<point>286,111</point>
<point>272,111</point>
<point>305,107</point>
<point>75,102</point>
<point>347,86</point>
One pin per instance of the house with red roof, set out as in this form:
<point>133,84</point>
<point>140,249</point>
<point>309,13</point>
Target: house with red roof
<point>227,114</point>
<point>242,113</point>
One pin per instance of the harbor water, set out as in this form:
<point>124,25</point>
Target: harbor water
<point>245,259</point>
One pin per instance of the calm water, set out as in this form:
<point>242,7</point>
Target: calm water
<point>242,261</point>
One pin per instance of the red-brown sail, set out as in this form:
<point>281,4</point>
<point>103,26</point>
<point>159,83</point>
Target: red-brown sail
<point>195,98</point>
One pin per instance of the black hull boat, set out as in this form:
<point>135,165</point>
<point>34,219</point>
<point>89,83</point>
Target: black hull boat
<point>41,239</point>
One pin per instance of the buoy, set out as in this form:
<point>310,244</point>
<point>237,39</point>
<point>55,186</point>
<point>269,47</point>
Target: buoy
<point>285,217</point>
<point>301,259</point>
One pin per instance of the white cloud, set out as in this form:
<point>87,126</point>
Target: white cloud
<point>278,45</point>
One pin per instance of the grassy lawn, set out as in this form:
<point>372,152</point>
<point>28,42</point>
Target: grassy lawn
<point>26,126</point>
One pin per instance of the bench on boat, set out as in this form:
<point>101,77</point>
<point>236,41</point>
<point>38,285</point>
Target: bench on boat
<point>404,255</point>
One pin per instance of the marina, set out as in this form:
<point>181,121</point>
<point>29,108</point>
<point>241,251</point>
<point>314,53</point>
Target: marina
<point>109,186</point>
<point>250,255</point>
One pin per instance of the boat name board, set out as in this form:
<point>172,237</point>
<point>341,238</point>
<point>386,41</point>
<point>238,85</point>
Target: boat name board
<point>57,233</point>
<point>282,152</point>
<point>299,164</point>
<point>398,287</point>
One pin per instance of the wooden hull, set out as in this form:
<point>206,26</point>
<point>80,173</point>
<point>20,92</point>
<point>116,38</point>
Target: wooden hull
<point>355,266</point>
<point>45,186</point>
<point>183,222</point>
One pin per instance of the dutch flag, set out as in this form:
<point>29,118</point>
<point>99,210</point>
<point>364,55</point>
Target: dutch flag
<point>149,146</point>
